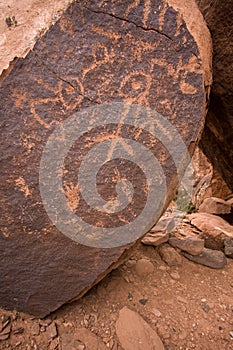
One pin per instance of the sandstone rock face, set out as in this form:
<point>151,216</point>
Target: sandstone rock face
<point>97,53</point>
<point>208,182</point>
<point>217,138</point>
<point>22,23</point>
<point>214,205</point>
<point>219,187</point>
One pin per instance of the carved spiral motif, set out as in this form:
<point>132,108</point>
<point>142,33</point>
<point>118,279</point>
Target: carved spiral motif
<point>102,173</point>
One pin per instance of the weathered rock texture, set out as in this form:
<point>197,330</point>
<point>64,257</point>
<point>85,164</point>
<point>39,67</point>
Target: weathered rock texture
<point>160,233</point>
<point>213,229</point>
<point>22,23</point>
<point>228,247</point>
<point>155,55</point>
<point>207,181</point>
<point>169,255</point>
<point>214,205</point>
<point>217,138</point>
<point>191,245</point>
<point>209,257</point>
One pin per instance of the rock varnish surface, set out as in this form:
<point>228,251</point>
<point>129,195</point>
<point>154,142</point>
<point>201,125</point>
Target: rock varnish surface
<point>157,55</point>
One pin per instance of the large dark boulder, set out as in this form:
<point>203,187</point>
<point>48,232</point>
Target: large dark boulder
<point>150,63</point>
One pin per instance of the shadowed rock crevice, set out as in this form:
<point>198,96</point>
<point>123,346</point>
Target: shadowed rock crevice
<point>217,137</point>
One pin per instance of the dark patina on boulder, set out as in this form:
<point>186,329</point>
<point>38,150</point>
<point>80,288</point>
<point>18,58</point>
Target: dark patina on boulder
<point>157,55</point>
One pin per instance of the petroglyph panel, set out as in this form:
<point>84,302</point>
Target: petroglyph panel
<point>140,56</point>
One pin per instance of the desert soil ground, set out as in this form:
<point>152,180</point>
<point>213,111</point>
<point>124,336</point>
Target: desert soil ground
<point>189,306</point>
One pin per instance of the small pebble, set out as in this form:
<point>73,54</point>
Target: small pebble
<point>130,297</point>
<point>18,330</point>
<point>52,330</point>
<point>163,268</point>
<point>205,307</point>
<point>81,347</point>
<point>35,329</point>
<point>45,323</point>
<point>126,278</point>
<point>156,312</point>
<point>144,267</point>
<point>182,300</point>
<point>175,275</point>
<point>130,263</point>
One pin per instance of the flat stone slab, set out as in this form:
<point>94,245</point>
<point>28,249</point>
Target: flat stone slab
<point>211,258</point>
<point>134,333</point>
<point>111,73</point>
<point>217,206</point>
<point>191,245</point>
